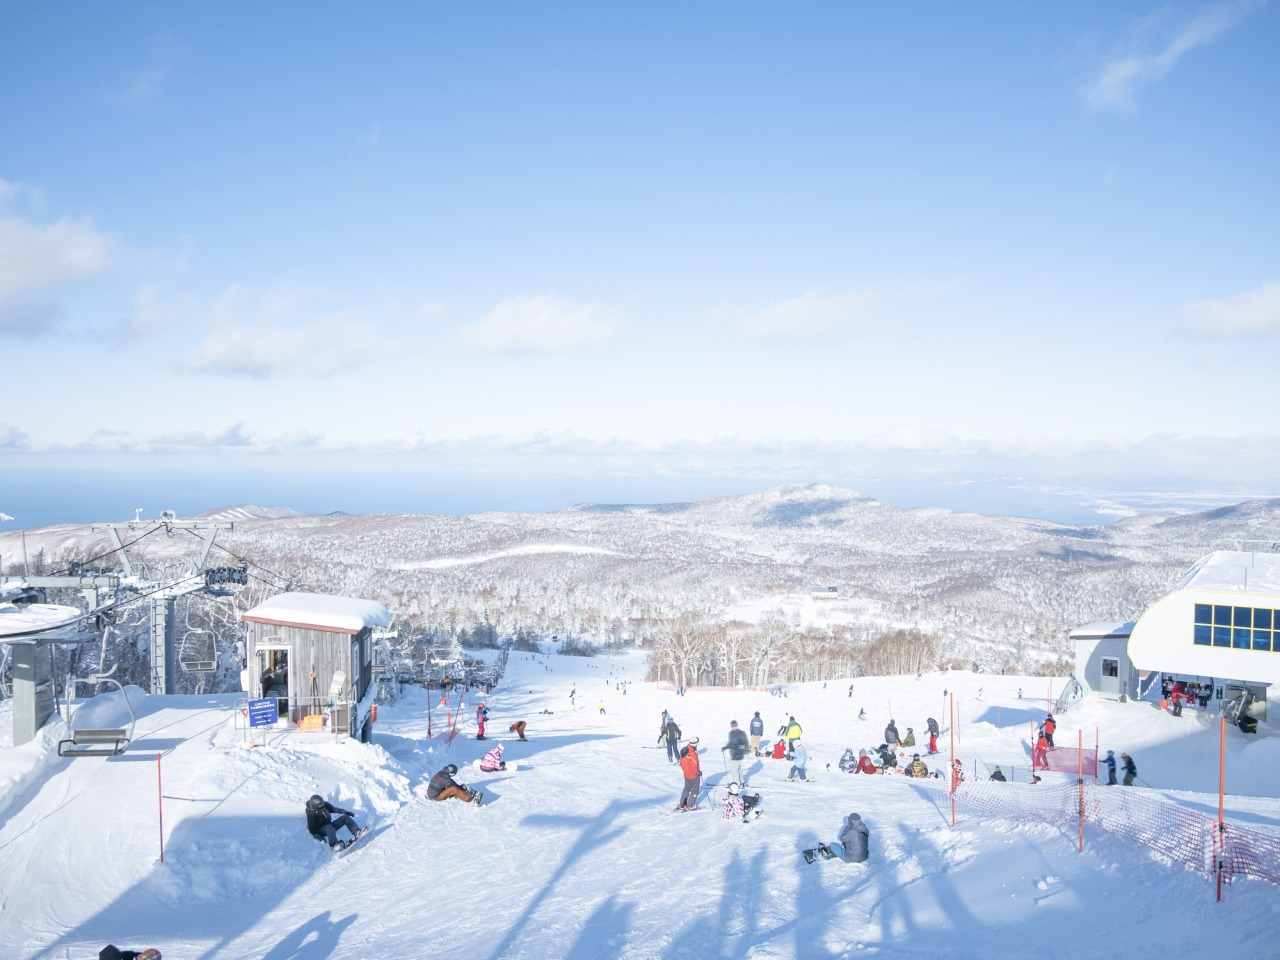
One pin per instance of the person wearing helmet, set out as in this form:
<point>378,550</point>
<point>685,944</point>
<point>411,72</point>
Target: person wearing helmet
<point>739,805</point>
<point>482,714</point>
<point>443,786</point>
<point>322,825</point>
<point>1111,768</point>
<point>492,761</point>
<point>692,771</point>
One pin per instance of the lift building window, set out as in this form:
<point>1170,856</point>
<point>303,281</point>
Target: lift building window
<point>1241,628</point>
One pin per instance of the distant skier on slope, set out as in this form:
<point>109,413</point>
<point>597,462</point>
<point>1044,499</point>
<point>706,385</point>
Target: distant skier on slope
<point>692,770</point>
<point>757,731</point>
<point>799,757</point>
<point>737,748</point>
<point>670,732</point>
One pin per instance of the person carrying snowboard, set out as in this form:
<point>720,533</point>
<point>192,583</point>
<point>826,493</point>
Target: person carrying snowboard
<point>692,770</point>
<point>671,733</point>
<point>444,787</point>
<point>1130,769</point>
<point>492,761</point>
<point>322,826</point>
<point>799,757</point>
<point>757,731</point>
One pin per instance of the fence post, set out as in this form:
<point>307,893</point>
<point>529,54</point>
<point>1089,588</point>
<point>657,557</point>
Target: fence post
<point>160,806</point>
<point>1080,781</point>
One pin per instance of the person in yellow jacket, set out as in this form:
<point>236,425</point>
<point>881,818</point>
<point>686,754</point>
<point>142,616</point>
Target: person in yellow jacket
<point>916,768</point>
<point>791,732</point>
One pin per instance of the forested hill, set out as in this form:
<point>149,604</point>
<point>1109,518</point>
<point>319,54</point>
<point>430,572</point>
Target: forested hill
<point>1001,591</point>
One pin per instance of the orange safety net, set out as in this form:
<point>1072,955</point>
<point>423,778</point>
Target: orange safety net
<point>1169,831</point>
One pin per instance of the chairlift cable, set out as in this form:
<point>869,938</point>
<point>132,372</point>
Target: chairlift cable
<point>83,563</point>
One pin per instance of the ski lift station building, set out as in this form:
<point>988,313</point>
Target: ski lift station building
<point>1219,627</point>
<point>313,653</point>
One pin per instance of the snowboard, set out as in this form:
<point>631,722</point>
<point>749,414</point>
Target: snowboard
<point>813,854</point>
<point>347,847</point>
<point>511,768</point>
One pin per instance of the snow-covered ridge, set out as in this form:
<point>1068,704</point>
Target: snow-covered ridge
<point>528,550</point>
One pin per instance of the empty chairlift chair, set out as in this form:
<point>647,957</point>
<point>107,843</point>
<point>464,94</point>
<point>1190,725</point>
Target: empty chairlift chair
<point>88,741</point>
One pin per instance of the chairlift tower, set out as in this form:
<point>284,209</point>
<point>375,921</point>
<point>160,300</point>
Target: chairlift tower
<point>163,624</point>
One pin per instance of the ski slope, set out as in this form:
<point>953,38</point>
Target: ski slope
<point>579,854</point>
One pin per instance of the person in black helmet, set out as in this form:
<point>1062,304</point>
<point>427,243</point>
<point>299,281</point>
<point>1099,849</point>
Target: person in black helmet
<point>443,786</point>
<point>322,826</point>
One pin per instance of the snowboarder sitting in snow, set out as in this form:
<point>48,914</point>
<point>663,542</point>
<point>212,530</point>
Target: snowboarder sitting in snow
<point>865,763</point>
<point>910,739</point>
<point>739,805</point>
<point>443,786</point>
<point>518,729</point>
<point>492,761</point>
<point>997,775</point>
<point>322,826</point>
<point>888,759</point>
<point>779,750</point>
<point>916,768</point>
<point>848,762</point>
<point>692,771</point>
<point>112,952</point>
<point>852,846</point>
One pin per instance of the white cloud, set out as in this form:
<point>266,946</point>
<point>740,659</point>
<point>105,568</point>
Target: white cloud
<point>288,330</point>
<point>540,324</point>
<point>36,258</point>
<point>1254,313</point>
<point>1153,57</point>
<point>810,316</point>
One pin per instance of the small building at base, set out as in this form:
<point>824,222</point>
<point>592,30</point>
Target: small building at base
<point>313,653</point>
<point>1102,659</point>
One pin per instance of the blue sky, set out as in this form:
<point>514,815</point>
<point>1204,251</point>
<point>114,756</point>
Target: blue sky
<point>521,255</point>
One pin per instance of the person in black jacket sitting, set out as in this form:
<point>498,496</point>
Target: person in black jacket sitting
<point>322,826</point>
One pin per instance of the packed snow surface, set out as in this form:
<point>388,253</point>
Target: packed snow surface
<point>580,853</point>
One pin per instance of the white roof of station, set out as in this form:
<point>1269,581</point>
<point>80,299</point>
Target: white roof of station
<point>1235,571</point>
<point>1100,631</point>
<point>37,621</point>
<point>318,611</point>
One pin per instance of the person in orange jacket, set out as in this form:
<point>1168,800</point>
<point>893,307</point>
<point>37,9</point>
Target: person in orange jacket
<point>1040,758</point>
<point>692,770</point>
<point>1050,725</point>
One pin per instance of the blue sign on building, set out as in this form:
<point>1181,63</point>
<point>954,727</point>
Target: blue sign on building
<point>263,713</point>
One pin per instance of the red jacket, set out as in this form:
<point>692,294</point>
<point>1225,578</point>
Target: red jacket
<point>689,762</point>
<point>865,765</point>
<point>779,750</point>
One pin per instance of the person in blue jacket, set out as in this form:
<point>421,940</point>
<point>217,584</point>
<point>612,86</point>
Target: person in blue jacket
<point>1111,768</point>
<point>799,757</point>
<point>757,731</point>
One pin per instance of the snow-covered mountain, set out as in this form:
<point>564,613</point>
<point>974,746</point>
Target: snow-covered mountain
<point>1001,591</point>
<point>246,511</point>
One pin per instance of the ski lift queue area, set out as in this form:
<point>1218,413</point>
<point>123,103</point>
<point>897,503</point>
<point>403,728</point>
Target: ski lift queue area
<point>1215,638</point>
